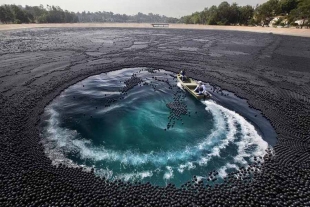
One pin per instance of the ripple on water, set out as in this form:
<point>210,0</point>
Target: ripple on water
<point>122,135</point>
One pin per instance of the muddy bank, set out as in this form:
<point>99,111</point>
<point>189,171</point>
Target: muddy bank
<point>271,71</point>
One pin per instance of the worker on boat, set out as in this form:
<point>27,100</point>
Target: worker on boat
<point>182,73</point>
<point>201,88</point>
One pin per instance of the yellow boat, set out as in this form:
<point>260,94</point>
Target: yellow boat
<point>190,85</point>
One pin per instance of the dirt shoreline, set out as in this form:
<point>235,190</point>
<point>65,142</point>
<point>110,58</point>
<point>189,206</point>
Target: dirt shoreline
<point>280,31</point>
<point>270,71</point>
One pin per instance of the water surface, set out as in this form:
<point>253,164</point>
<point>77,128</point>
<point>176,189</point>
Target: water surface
<point>127,134</point>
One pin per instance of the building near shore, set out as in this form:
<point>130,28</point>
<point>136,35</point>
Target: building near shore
<point>302,22</point>
<point>278,20</point>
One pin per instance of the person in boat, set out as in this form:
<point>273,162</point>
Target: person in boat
<point>182,73</point>
<point>201,88</point>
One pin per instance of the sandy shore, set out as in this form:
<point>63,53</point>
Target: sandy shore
<point>280,31</point>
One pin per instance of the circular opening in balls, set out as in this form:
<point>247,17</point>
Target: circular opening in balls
<point>139,124</point>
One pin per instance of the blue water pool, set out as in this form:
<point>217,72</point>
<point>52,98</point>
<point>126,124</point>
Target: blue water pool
<point>127,131</point>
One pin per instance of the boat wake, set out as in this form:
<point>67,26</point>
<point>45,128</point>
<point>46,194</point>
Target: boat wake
<point>231,143</point>
<point>229,128</point>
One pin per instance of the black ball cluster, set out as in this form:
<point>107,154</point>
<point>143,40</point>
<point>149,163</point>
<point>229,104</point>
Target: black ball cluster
<point>131,83</point>
<point>28,178</point>
<point>177,109</point>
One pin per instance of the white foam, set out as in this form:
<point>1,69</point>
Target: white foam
<point>135,176</point>
<point>222,171</point>
<point>199,178</point>
<point>180,86</point>
<point>188,166</point>
<point>249,136</point>
<point>169,173</point>
<point>110,108</point>
<point>224,125</point>
<point>64,141</point>
<point>60,141</point>
<point>232,166</point>
<point>106,173</point>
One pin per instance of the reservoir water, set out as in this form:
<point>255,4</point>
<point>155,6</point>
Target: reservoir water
<point>120,124</point>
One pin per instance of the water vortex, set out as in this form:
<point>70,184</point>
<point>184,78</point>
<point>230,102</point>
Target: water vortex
<point>118,123</point>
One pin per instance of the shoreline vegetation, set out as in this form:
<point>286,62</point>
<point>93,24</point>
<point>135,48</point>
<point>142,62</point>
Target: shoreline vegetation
<point>273,13</point>
<point>14,14</point>
<point>276,13</point>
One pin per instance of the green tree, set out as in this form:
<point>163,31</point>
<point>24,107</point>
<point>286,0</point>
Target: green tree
<point>246,14</point>
<point>304,7</point>
<point>288,5</point>
<point>302,12</point>
<point>213,15</point>
<point>172,20</point>
<point>6,15</point>
<point>188,20</point>
<point>19,15</point>
<point>196,18</point>
<point>223,13</point>
<point>234,14</point>
<point>42,18</point>
<point>265,11</point>
<point>2,14</point>
<point>35,13</point>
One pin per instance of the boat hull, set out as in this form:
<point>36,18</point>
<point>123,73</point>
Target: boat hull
<point>190,85</point>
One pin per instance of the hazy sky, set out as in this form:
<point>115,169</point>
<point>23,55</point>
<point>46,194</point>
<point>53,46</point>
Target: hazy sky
<point>173,8</point>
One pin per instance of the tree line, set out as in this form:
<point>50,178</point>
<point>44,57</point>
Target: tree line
<point>223,14</point>
<point>35,14</point>
<point>233,14</point>
<point>54,14</point>
<point>111,17</point>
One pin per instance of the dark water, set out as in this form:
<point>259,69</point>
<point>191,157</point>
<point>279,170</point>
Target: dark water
<point>125,135</point>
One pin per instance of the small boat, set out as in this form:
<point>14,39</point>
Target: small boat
<point>190,85</point>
